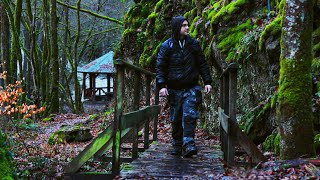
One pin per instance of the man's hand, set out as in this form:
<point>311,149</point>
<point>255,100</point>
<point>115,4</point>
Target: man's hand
<point>207,89</point>
<point>163,92</point>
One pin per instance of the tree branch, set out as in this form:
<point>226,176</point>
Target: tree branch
<point>92,13</point>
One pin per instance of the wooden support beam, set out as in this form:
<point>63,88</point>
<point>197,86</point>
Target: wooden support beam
<point>136,102</point>
<point>147,123</point>
<point>125,133</point>
<point>246,143</point>
<point>89,151</point>
<point>117,120</point>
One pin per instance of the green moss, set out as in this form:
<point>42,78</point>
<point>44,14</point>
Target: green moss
<point>230,40</point>
<point>231,56</point>
<point>316,47</point>
<point>47,119</point>
<point>127,166</point>
<point>153,15</point>
<point>315,65</point>
<point>191,13</point>
<point>57,137</point>
<point>231,8</point>
<point>292,91</point>
<point>192,26</point>
<point>214,10</point>
<point>265,108</point>
<point>274,100</point>
<point>246,122</point>
<point>159,25</point>
<point>216,4</point>
<point>127,32</point>
<point>6,165</point>
<point>158,6</point>
<point>271,29</point>
<point>109,111</point>
<point>268,144</point>
<point>187,14</point>
<point>276,144</point>
<point>280,6</point>
<point>146,59</point>
<point>93,117</point>
<point>208,51</point>
<point>316,33</point>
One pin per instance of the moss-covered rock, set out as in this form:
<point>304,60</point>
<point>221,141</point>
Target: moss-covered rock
<point>270,30</point>
<point>6,166</point>
<point>69,134</point>
<point>231,39</point>
<point>259,123</point>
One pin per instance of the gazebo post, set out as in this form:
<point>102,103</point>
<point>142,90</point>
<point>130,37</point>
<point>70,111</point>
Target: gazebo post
<point>94,87</point>
<point>109,84</point>
<point>84,84</point>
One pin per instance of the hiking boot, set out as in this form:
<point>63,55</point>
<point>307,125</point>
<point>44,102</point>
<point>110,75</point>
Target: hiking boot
<point>176,150</point>
<point>189,151</point>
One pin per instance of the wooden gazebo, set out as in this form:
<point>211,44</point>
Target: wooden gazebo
<point>102,65</point>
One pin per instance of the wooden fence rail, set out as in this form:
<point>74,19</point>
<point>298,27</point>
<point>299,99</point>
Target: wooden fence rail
<point>125,125</point>
<point>230,133</point>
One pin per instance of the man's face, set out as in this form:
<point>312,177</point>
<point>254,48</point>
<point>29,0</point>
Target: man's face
<point>184,28</point>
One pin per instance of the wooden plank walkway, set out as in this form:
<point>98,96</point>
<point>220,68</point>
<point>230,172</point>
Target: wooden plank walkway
<point>157,163</point>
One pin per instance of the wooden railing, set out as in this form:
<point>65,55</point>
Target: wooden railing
<point>125,125</point>
<point>230,133</point>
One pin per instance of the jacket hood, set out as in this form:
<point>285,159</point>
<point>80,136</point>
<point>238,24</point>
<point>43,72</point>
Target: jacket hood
<point>176,24</point>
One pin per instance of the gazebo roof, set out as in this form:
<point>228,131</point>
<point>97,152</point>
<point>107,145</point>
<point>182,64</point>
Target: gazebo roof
<point>103,64</point>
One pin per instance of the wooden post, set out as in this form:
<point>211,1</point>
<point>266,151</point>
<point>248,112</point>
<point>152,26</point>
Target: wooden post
<point>232,113</point>
<point>222,132</point>
<point>155,120</point>
<point>109,83</point>
<point>117,119</point>
<point>93,81</point>
<point>147,121</point>
<point>226,111</point>
<point>84,84</point>
<point>136,101</point>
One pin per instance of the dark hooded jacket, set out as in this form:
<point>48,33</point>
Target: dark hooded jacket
<point>179,68</point>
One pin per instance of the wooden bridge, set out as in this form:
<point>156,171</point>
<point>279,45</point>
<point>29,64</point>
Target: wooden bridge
<point>156,162</point>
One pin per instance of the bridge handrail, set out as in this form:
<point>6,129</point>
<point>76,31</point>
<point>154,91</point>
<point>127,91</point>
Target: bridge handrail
<point>118,115</point>
<point>229,128</point>
<point>124,124</point>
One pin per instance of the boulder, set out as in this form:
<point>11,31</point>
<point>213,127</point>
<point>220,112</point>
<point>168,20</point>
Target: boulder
<point>68,134</point>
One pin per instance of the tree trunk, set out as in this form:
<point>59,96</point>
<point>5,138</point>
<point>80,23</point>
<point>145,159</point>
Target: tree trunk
<point>294,111</point>
<point>64,55</point>
<point>45,53</point>
<point>5,43</point>
<point>77,93</point>
<point>55,59</point>
<point>16,51</point>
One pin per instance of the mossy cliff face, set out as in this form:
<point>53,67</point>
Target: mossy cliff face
<point>242,31</point>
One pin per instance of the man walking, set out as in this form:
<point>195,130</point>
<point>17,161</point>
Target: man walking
<point>180,62</point>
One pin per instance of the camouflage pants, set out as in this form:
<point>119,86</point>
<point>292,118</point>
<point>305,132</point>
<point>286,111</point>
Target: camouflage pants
<point>184,114</point>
